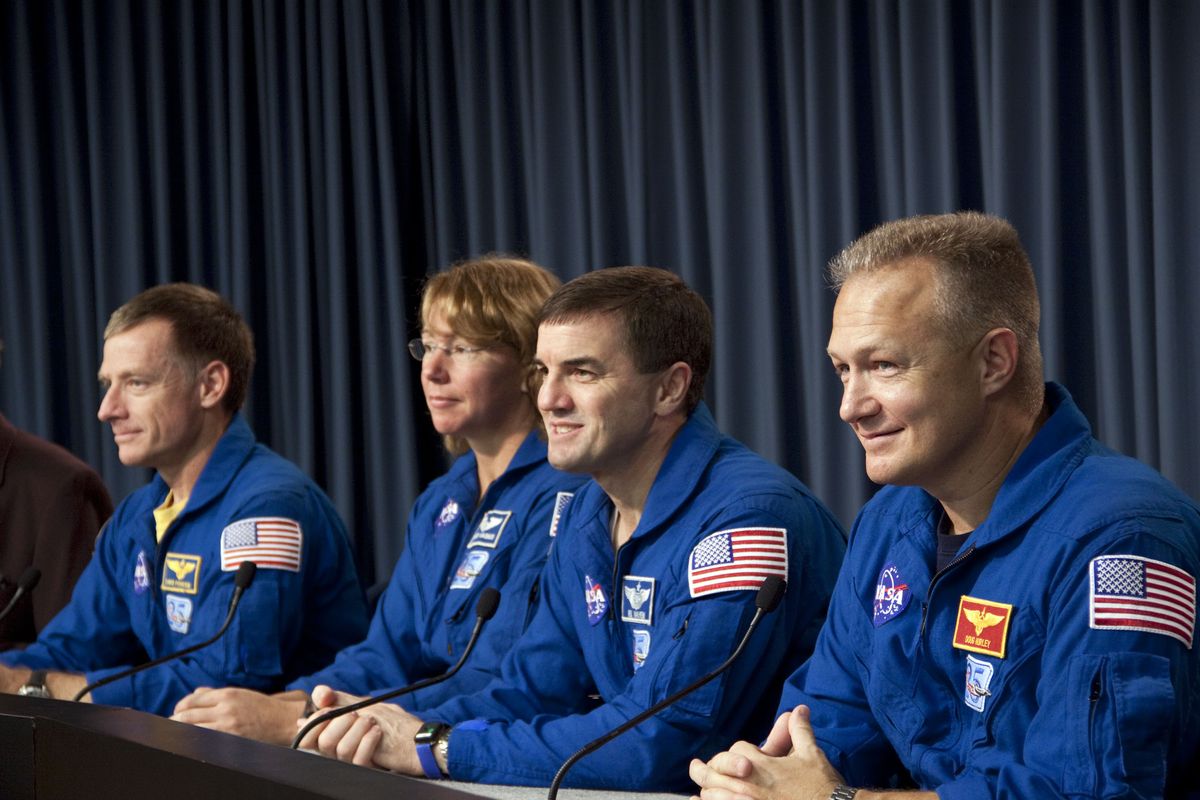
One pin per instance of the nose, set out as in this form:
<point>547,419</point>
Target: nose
<point>552,396</point>
<point>858,400</point>
<point>434,366</point>
<point>109,405</point>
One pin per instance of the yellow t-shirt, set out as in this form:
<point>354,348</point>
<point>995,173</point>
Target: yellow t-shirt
<point>165,514</point>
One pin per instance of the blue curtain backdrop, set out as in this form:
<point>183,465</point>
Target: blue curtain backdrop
<point>314,161</point>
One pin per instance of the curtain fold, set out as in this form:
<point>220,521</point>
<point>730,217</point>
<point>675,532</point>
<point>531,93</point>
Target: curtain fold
<point>315,160</point>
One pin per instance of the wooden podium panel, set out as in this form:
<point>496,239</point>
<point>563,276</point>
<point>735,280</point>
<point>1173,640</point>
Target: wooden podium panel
<point>52,749</point>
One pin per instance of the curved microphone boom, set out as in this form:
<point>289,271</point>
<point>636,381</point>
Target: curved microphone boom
<point>485,609</point>
<point>29,579</point>
<point>766,601</point>
<point>241,582</point>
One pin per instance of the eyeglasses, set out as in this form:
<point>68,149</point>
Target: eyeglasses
<point>456,352</point>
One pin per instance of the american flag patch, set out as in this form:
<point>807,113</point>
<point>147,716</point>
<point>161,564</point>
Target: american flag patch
<point>270,542</point>
<point>1142,594</point>
<point>561,501</point>
<point>740,558</point>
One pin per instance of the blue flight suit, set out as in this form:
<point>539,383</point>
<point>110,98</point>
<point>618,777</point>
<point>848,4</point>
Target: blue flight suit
<point>138,600</point>
<point>611,636</point>
<point>456,546</point>
<point>1003,675</point>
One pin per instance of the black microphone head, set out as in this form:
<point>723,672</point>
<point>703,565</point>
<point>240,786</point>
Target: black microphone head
<point>245,575</point>
<point>29,578</point>
<point>489,601</point>
<point>770,593</point>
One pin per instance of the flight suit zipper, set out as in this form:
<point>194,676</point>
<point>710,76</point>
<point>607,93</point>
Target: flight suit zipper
<point>958,559</point>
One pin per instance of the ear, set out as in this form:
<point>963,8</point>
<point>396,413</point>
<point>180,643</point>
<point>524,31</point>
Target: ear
<point>997,354</point>
<point>213,383</point>
<point>673,388</point>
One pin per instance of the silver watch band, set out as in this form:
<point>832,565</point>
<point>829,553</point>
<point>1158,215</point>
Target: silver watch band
<point>843,792</point>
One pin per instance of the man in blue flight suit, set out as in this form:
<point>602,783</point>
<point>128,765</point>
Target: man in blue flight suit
<point>1016,615</point>
<point>177,363</point>
<point>653,577</point>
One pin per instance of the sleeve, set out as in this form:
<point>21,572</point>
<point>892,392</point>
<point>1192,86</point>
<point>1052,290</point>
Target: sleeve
<point>94,628</point>
<point>285,617</point>
<point>830,683</point>
<point>533,709</point>
<point>1117,706</point>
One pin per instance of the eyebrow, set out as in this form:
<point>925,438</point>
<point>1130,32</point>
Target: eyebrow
<point>588,362</point>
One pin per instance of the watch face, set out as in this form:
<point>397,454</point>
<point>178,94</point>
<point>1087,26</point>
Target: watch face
<point>428,732</point>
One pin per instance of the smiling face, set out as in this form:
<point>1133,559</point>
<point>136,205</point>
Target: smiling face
<point>151,400</point>
<point>598,409</point>
<point>913,398</point>
<point>476,396</point>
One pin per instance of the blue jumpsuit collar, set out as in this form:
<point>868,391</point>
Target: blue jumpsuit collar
<point>233,448</point>
<point>1034,480</point>
<point>531,453</point>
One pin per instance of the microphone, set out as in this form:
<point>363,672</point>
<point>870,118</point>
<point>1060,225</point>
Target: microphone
<point>766,601</point>
<point>241,582</point>
<point>29,579</point>
<point>485,609</point>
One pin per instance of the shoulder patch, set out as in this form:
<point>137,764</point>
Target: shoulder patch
<point>181,573</point>
<point>561,501</point>
<point>270,542</point>
<point>738,558</point>
<point>1141,594</point>
<point>487,533</point>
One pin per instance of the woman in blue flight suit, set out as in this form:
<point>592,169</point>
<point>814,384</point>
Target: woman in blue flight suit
<point>487,522</point>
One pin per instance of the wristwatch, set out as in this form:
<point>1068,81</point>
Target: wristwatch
<point>843,792</point>
<point>432,736</point>
<point>35,686</point>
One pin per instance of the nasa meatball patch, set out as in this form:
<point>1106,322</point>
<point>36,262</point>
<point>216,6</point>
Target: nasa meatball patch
<point>891,594</point>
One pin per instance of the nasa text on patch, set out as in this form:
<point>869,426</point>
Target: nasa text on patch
<point>448,514</point>
<point>181,573</point>
<point>1136,593</point>
<point>892,594</point>
<point>487,533</point>
<point>982,626</point>
<point>637,599</point>
<point>593,595</point>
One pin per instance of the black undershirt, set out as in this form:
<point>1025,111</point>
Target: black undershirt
<point>948,545</point>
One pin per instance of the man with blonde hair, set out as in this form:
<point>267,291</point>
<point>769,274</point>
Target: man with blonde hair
<point>177,365</point>
<point>1016,614</point>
